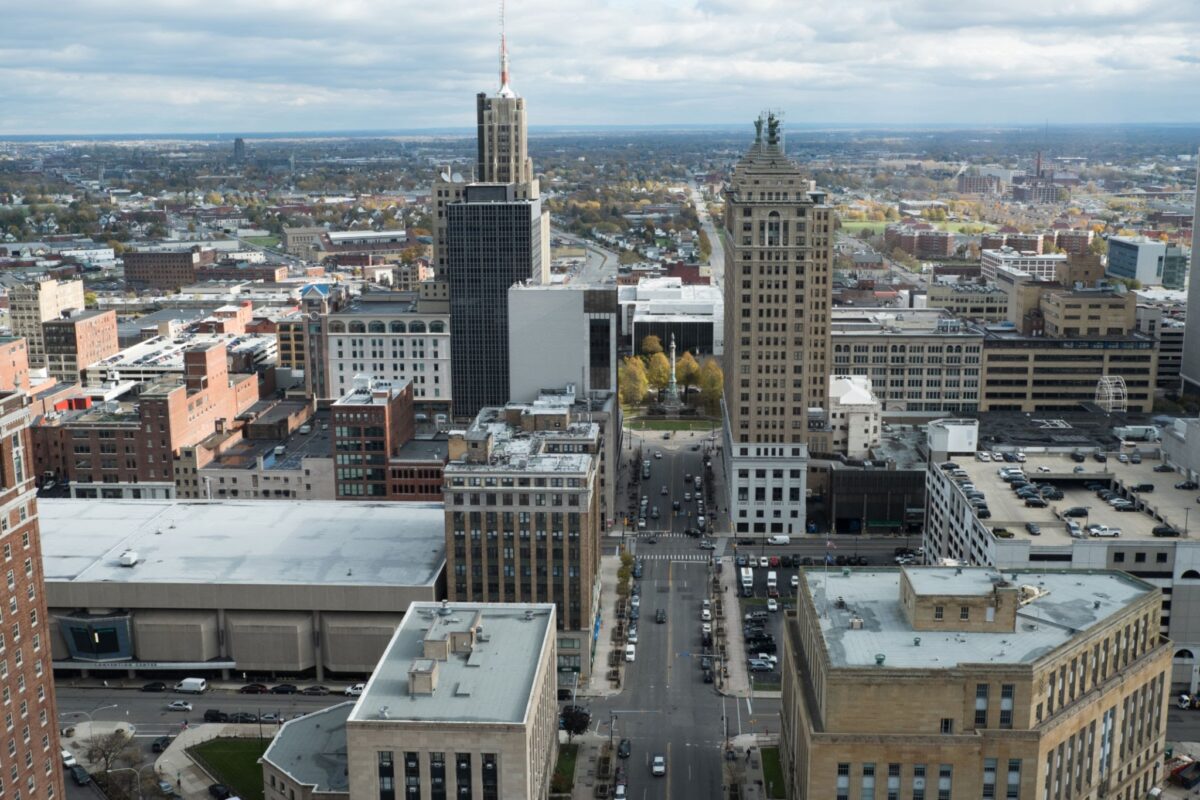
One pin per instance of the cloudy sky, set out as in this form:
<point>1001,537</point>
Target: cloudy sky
<point>117,66</point>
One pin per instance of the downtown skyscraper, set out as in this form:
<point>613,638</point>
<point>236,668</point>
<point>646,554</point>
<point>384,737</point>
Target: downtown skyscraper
<point>778,292</point>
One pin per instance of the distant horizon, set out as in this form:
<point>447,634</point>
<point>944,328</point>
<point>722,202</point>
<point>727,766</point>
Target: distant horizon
<point>86,69</point>
<point>460,131</point>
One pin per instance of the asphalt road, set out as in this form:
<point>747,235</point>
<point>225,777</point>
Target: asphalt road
<point>598,267</point>
<point>717,260</point>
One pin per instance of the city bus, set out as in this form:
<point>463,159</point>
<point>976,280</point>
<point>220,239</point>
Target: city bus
<point>747,581</point>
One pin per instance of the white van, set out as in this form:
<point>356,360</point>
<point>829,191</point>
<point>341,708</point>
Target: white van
<point>192,686</point>
<point>630,652</point>
<point>782,538</point>
<point>772,580</point>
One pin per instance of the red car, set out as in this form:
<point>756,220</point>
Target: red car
<point>773,561</point>
<point>253,688</point>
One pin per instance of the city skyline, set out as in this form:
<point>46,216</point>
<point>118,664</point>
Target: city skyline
<point>300,66</point>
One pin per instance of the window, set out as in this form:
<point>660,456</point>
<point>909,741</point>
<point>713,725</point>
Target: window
<point>918,782</point>
<point>939,613</point>
<point>843,782</point>
<point>1007,691</point>
<point>981,705</point>
<point>1013,790</point>
<point>945,781</point>
<point>893,782</point>
<point>868,782</point>
<point>989,779</point>
<point>964,613</point>
<point>947,725</point>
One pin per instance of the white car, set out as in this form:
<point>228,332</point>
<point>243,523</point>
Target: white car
<point>770,659</point>
<point>179,705</point>
<point>658,453</point>
<point>68,759</point>
<point>1043,469</point>
<point>764,562</point>
<point>630,652</point>
<point>636,601</point>
<point>706,627</point>
<point>658,766</point>
<point>772,604</point>
<point>795,581</point>
<point>983,455</point>
<point>355,690</point>
<point>633,636</point>
<point>706,615</point>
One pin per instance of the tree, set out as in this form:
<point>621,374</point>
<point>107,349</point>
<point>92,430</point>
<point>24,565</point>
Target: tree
<point>687,370</point>
<point>705,245</point>
<point>651,345</point>
<point>712,383</point>
<point>90,299</point>
<point>575,721</point>
<point>111,749</point>
<point>632,381</point>
<point>658,371</point>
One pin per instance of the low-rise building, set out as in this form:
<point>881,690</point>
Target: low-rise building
<point>1040,265</point>
<point>969,301</point>
<point>997,684</point>
<point>165,266</point>
<point>164,357</point>
<point>218,589</point>
<point>666,307</point>
<point>462,704</point>
<point>854,416</point>
<point>1150,262</point>
<point>1167,332</point>
<point>30,304</point>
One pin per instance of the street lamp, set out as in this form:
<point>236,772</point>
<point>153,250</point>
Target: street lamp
<point>87,714</point>
<point>612,724</point>
<point>137,772</point>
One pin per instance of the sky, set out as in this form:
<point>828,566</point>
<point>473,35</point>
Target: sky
<point>184,66</point>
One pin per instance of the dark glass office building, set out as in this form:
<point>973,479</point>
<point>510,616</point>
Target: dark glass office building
<point>493,241</point>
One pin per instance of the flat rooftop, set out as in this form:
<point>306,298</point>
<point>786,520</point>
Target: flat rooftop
<point>492,684</point>
<point>433,450</point>
<point>312,749</point>
<point>163,354</point>
<point>243,542</point>
<point>1164,504</point>
<point>1071,603</point>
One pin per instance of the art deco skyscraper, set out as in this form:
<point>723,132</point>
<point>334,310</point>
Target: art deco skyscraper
<point>778,272</point>
<point>502,155</point>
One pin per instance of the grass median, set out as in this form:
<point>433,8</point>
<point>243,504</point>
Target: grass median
<point>234,762</point>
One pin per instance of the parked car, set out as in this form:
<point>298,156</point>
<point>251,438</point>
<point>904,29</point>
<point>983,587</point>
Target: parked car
<point>1163,468</point>
<point>758,665</point>
<point>764,562</point>
<point>154,686</point>
<point>1033,528</point>
<point>167,789</point>
<point>772,604</point>
<point>179,705</point>
<point>284,688</point>
<point>1189,485</point>
<point>271,717</point>
<point>81,776</point>
<point>160,744</point>
<point>253,688</point>
<point>624,749</point>
<point>355,690</point>
<point>1075,511</point>
<point>219,791</point>
<point>243,717</point>
<point>68,759</point>
<point>773,561</point>
<point>1165,530</point>
<point>314,690</point>
<point>214,715</point>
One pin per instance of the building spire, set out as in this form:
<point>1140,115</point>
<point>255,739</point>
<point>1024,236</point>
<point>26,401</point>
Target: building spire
<point>505,91</point>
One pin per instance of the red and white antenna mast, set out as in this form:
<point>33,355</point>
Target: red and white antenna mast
<point>503,55</point>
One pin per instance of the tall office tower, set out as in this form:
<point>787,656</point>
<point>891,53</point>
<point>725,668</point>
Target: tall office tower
<point>1190,371</point>
<point>31,765</point>
<point>495,239</point>
<point>239,150</point>
<point>778,266</point>
<point>502,156</point>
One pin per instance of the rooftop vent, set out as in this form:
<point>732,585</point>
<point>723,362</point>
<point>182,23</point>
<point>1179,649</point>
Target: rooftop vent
<point>528,614</point>
<point>916,641</point>
<point>383,712</point>
<point>129,558</point>
<point>879,659</point>
<point>856,623</point>
<point>1095,604</point>
<point>445,609</point>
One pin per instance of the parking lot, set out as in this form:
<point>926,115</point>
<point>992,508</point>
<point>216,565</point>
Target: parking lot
<point>1162,504</point>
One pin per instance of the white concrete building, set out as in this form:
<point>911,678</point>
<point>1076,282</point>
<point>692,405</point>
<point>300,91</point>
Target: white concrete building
<point>1040,265</point>
<point>560,335</point>
<point>854,415</point>
<point>1190,370</point>
<point>695,314</point>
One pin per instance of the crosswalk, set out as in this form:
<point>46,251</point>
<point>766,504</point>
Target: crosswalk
<point>665,535</point>
<point>688,557</point>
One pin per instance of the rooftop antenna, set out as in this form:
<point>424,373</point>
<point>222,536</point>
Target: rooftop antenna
<point>505,91</point>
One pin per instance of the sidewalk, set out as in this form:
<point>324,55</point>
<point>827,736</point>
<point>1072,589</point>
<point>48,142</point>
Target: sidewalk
<point>176,766</point>
<point>746,770</point>
<point>587,763</point>
<point>738,682</point>
<point>599,685</point>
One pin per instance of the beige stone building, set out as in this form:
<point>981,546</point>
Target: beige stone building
<point>31,304</point>
<point>971,301</point>
<point>302,242</point>
<point>523,520</point>
<point>778,291</point>
<point>940,683</point>
<point>463,703</point>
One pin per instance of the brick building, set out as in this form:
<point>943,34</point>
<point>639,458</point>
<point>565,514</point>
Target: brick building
<point>32,765</point>
<point>920,240</point>
<point>78,339</point>
<point>31,304</point>
<point>374,446</point>
<point>165,269</point>
<point>119,450</point>
<point>14,364</point>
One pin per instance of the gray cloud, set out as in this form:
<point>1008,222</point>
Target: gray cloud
<point>80,66</point>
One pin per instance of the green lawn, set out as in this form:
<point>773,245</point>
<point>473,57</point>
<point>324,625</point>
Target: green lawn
<point>765,684</point>
<point>773,772</point>
<point>639,424</point>
<point>235,761</point>
<point>564,771</point>
<point>856,225</point>
<point>263,241</point>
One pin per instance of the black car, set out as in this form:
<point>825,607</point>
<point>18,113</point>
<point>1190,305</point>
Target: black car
<point>243,717</point>
<point>81,776</point>
<point>706,639</point>
<point>253,688</point>
<point>314,690</point>
<point>213,715</point>
<point>660,616</point>
<point>1187,485</point>
<point>762,647</point>
<point>634,613</point>
<point>747,541</point>
<point>1165,531</point>
<point>156,686</point>
<point>785,561</point>
<point>624,749</point>
<point>1077,511</point>
<point>1101,457</point>
<point>219,791</point>
<point>1163,468</point>
<point>160,744</point>
<point>706,662</point>
<point>708,676</point>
